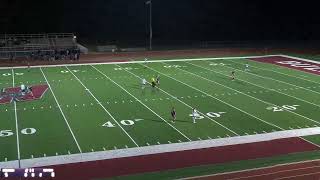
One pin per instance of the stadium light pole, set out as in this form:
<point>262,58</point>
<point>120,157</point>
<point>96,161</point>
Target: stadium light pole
<point>150,23</point>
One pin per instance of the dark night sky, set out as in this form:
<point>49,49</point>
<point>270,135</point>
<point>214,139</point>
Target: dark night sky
<point>173,19</point>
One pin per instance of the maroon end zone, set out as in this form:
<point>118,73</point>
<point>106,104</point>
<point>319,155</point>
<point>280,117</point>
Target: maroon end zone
<point>15,92</point>
<point>175,160</point>
<point>291,63</point>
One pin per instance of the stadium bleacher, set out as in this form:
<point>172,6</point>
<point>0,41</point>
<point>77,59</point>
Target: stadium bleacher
<point>52,46</point>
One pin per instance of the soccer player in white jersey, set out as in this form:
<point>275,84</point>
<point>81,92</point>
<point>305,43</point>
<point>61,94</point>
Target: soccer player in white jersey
<point>145,62</point>
<point>247,67</point>
<point>194,114</point>
<point>144,81</point>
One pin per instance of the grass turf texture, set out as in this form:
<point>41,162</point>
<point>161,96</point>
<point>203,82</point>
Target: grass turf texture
<point>71,119</point>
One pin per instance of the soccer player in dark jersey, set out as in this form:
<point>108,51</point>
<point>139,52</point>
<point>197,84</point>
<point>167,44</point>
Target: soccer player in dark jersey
<point>153,82</point>
<point>28,66</point>
<point>233,74</point>
<point>173,114</point>
<point>158,80</point>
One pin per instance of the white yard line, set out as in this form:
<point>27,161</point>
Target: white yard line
<point>188,105</point>
<point>219,100</point>
<point>62,113</point>
<point>103,108</point>
<point>297,77</point>
<point>217,72</point>
<point>16,119</point>
<point>163,148</point>
<point>275,89</point>
<point>141,103</point>
<point>265,77</point>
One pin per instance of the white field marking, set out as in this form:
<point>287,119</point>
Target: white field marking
<point>281,82</point>
<point>148,144</point>
<point>301,59</point>
<point>251,176</point>
<point>236,91</point>
<point>267,77</point>
<point>310,142</point>
<point>247,94</point>
<point>226,103</point>
<point>276,71</point>
<point>16,119</point>
<point>69,152</point>
<point>141,103</point>
<point>136,62</point>
<point>156,149</point>
<point>62,113</point>
<point>104,148</point>
<point>104,108</point>
<point>185,103</point>
<point>276,172</point>
<point>158,143</point>
<point>300,175</point>
<point>126,146</point>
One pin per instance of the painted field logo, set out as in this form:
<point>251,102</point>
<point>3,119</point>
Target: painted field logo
<point>298,64</point>
<point>31,93</point>
<point>293,63</point>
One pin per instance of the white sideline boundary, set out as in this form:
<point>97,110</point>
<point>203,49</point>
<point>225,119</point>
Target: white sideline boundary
<point>160,60</point>
<point>156,149</point>
<point>134,62</point>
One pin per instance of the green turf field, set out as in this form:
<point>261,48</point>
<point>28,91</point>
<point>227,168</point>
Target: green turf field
<point>104,107</point>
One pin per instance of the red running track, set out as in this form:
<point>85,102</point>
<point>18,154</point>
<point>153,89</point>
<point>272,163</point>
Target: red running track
<point>175,160</point>
<point>305,170</point>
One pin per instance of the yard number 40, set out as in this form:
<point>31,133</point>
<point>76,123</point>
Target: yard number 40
<point>127,122</point>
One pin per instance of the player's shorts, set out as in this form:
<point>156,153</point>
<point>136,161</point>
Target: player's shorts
<point>153,84</point>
